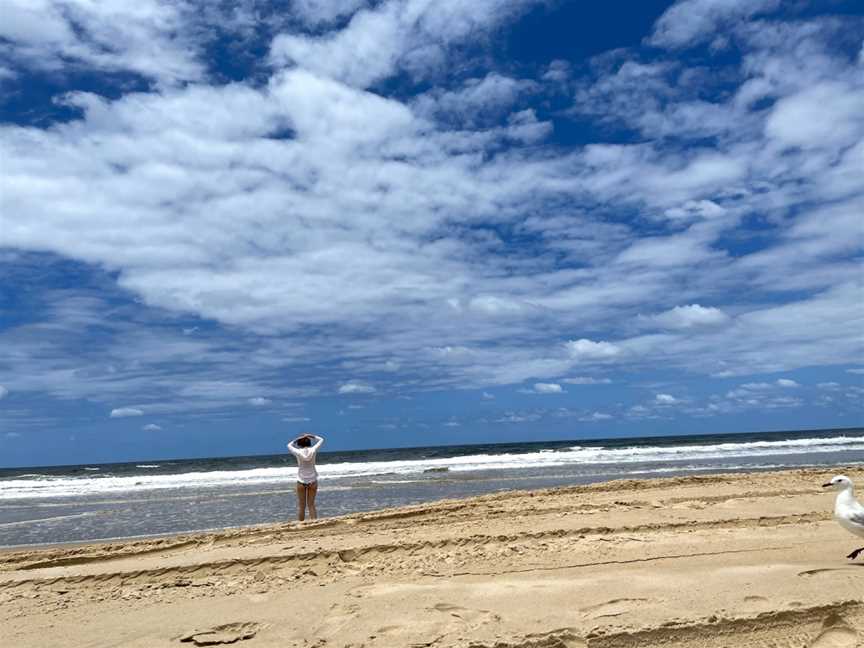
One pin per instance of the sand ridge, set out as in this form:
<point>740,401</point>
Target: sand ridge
<point>718,560</point>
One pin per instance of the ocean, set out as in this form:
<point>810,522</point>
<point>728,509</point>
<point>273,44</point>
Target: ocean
<point>122,500</point>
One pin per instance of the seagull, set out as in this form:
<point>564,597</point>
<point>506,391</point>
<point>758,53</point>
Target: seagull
<point>847,510</point>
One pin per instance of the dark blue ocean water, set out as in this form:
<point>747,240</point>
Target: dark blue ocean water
<point>100,501</point>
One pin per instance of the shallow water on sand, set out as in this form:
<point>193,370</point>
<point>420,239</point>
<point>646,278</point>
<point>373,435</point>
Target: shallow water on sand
<point>78,503</point>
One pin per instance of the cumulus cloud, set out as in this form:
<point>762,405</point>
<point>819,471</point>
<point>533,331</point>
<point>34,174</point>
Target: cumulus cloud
<point>587,380</point>
<point>665,399</point>
<point>259,401</point>
<point>356,387</point>
<point>171,205</point>
<point>398,34</point>
<point>827,113</point>
<point>519,417</point>
<point>150,38</point>
<point>688,317</point>
<point>689,22</point>
<point>152,427</point>
<point>585,349</point>
<point>595,416</point>
<point>476,101</point>
<point>314,13</point>
<point>124,412</point>
<point>547,388</point>
<point>786,382</point>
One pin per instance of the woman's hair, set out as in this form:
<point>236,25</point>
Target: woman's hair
<point>304,442</point>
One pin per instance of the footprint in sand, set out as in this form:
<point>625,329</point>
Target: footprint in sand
<point>474,617</point>
<point>615,607</point>
<point>836,634</point>
<point>338,617</point>
<point>228,633</point>
<point>756,601</point>
<point>826,571</point>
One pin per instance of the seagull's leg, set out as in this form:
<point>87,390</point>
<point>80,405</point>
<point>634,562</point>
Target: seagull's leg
<point>854,554</point>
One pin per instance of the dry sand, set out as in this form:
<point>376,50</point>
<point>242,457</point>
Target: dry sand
<point>746,560</point>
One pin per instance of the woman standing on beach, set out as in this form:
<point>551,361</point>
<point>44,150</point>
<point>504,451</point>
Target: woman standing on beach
<point>305,448</point>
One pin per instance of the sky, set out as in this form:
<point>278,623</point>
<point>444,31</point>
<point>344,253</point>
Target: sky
<point>416,222</point>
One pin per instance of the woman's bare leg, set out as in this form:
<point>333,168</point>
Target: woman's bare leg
<point>312,491</point>
<point>301,501</point>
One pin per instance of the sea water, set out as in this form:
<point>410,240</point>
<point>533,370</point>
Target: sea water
<point>102,501</point>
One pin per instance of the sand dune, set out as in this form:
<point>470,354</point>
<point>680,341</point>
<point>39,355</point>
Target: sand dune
<point>716,561</point>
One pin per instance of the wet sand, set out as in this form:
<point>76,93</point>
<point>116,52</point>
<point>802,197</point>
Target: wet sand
<point>710,561</point>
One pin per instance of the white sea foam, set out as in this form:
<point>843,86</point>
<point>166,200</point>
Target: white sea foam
<point>678,457</point>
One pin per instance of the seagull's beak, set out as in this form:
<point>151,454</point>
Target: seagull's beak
<point>828,485</point>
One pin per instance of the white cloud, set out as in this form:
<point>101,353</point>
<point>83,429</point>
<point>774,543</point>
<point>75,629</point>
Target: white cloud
<point>496,306</point>
<point>827,114</point>
<point>4,392</point>
<point>596,416</point>
<point>688,317</point>
<point>488,396</point>
<point>547,388</point>
<point>855,371</point>
<point>519,417</point>
<point>259,401</point>
<point>248,224</point>
<point>152,427</point>
<point>665,399</point>
<point>296,419</point>
<point>689,22</point>
<point>757,386</point>
<point>356,387</point>
<point>587,380</point>
<point>148,37</point>
<point>786,382</point>
<point>758,395</point>
<point>695,209</point>
<point>476,101</point>
<point>315,13</point>
<point>398,34</point>
<point>124,412</point>
<point>585,349</point>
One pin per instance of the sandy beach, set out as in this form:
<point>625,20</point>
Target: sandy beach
<point>709,561</point>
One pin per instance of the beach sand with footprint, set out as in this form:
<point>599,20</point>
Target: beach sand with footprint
<point>699,562</point>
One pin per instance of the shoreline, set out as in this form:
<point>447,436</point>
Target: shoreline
<point>706,561</point>
<point>642,477</point>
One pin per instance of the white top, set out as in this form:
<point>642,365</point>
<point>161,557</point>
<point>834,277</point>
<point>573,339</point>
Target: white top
<point>306,472</point>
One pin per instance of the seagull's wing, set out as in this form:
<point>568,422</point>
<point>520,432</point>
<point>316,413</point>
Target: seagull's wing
<point>856,513</point>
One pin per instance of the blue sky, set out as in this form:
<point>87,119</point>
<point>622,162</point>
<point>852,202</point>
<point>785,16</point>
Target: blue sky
<point>408,222</point>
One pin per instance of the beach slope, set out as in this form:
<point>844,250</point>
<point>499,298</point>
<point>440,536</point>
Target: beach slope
<point>713,561</point>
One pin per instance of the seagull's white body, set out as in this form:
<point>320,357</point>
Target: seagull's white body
<point>848,511</point>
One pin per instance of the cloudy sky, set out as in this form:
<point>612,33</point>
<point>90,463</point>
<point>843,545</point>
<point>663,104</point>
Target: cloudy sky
<point>407,222</point>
